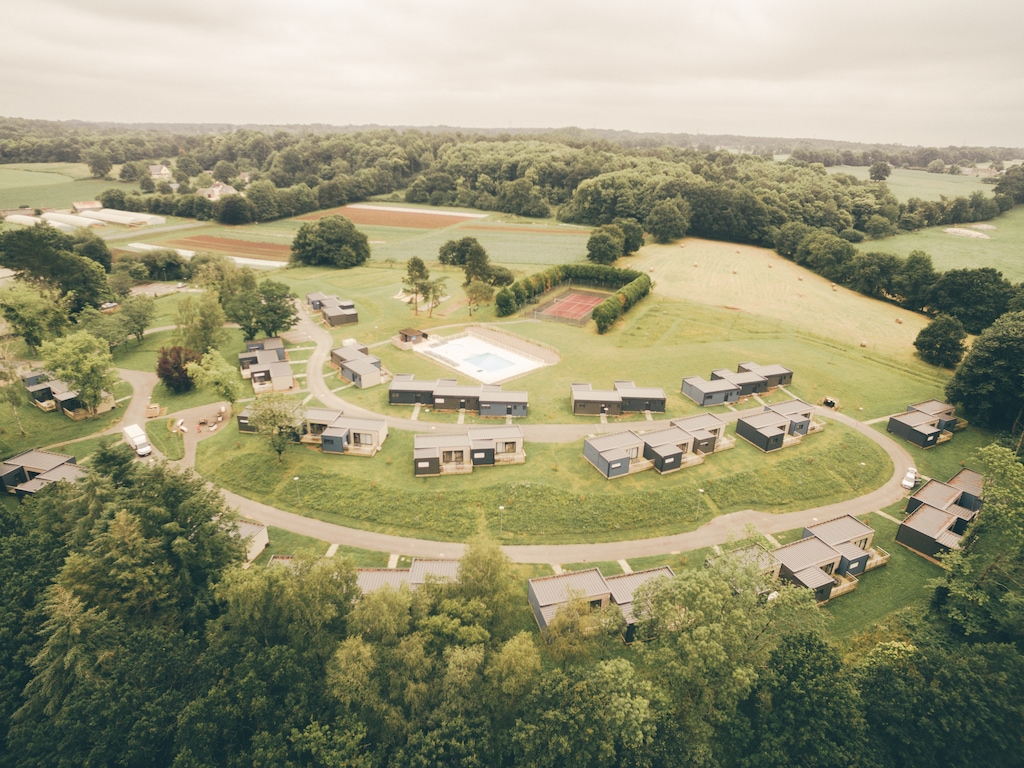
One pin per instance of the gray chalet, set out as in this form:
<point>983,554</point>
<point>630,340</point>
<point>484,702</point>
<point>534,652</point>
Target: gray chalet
<point>775,375</point>
<point>449,395</point>
<point>333,431</point>
<point>778,425</point>
<point>549,594</point>
<point>459,453</point>
<point>357,365</point>
<point>682,444</point>
<point>727,387</point>
<point>938,513</point>
<point>750,383</point>
<point>419,572</point>
<point>830,556</point>
<point>925,424</point>
<point>33,470</point>
<point>625,397</point>
<point>707,393</point>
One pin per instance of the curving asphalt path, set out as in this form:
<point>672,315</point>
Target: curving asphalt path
<point>717,531</point>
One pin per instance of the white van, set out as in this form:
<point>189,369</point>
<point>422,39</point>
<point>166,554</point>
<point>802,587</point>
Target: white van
<point>135,436</point>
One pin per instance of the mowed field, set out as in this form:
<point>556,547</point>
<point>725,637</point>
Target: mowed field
<point>51,185</point>
<point>1002,247</point>
<point>906,184</point>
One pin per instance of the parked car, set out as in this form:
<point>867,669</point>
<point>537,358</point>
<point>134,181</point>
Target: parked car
<point>909,479</point>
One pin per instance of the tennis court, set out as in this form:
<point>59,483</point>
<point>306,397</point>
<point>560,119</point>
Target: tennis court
<point>574,306</point>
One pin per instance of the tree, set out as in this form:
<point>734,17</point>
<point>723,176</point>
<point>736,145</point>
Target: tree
<point>278,302</point>
<point>941,342</point>
<point>333,240</point>
<point>136,313</point>
<point>36,314</point>
<point>458,252</point>
<point>87,243</point>
<point>936,166</point>
<point>606,244</point>
<point>987,383</point>
<point>879,171</point>
<point>277,417</point>
<point>11,391</point>
<point>106,326</point>
<point>84,363</point>
<point>234,210</point>
<point>668,220</point>
<point>213,371</point>
<point>200,322</point>
<point>99,163</point>
<point>633,234</point>
<point>416,280</point>
<point>478,292</point>
<point>263,196</point>
<point>172,367</point>
<point>42,254</point>
<point>976,297</point>
<point>477,265</point>
<point>434,292</point>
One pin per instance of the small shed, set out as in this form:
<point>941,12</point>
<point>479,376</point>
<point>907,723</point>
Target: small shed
<point>412,335</point>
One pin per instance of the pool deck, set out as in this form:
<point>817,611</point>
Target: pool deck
<point>458,353</point>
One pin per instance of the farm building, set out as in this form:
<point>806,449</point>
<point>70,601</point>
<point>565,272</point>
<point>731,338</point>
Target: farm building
<point>750,383</point>
<point>459,453</point>
<point>86,205</point>
<point>419,572</point>
<point>776,375</point>
<point>778,425</point>
<point>684,443</point>
<point>938,513</point>
<point>925,424</point>
<point>125,218</point>
<point>626,396</point>
<point>449,395</point>
<point>31,471</point>
<point>71,220</point>
<point>549,594</point>
<point>706,393</point>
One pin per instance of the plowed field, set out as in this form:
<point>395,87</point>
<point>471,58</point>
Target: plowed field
<point>382,217</point>
<point>236,247</point>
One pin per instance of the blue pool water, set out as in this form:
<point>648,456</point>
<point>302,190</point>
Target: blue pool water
<point>487,361</point>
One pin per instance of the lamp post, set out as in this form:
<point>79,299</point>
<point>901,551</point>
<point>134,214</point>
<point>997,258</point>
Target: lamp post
<point>860,475</point>
<point>700,495</point>
<point>501,521</point>
<point>298,492</point>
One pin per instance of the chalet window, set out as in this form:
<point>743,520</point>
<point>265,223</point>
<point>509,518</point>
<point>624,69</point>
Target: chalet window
<point>478,455</point>
<point>634,451</point>
<point>509,447</point>
<point>828,568</point>
<point>362,438</point>
<point>863,543</point>
<point>422,464</point>
<point>452,457</point>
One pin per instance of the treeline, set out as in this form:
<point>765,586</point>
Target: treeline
<point>631,284</point>
<point>133,638</point>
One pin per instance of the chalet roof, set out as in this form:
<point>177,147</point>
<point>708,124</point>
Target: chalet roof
<point>39,461</point>
<point>456,390</point>
<point>67,472</point>
<point>933,407</point>
<point>932,522</point>
<point>356,422</point>
<point>321,415</point>
<point>488,433</point>
<point>766,370</point>
<point>849,550</point>
<point>700,421</point>
<point>497,395</point>
<point>968,481</point>
<point>938,494</point>
<point>919,420</point>
<point>805,553</point>
<point>754,554</point>
<point>624,586</point>
<point>740,378</point>
<point>766,422</point>
<point>629,389</point>
<point>586,393</point>
<point>812,577</point>
<point>616,440</point>
<point>840,529</point>
<point>670,436</point>
<point>370,579</point>
<point>794,407</point>
<point>362,364</point>
<point>405,382</point>
<point>556,590</point>
<point>246,529</point>
<point>708,387</point>
<point>440,570</point>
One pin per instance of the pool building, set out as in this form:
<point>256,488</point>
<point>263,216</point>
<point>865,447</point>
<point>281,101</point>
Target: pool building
<point>449,395</point>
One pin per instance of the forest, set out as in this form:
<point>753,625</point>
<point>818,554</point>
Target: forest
<point>131,637</point>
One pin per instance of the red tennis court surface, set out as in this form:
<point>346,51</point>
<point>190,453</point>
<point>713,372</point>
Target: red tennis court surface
<point>573,305</point>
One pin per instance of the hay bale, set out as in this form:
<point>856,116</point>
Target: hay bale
<point>834,288</point>
<point>863,343</point>
<point>695,263</point>
<point>899,321</point>
<point>800,279</point>
<point>734,271</point>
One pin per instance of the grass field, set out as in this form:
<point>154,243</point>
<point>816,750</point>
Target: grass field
<point>170,444</point>
<point>1002,249</point>
<point>51,185</point>
<point>284,542</point>
<point>555,497</point>
<point>52,428</point>
<point>906,184</point>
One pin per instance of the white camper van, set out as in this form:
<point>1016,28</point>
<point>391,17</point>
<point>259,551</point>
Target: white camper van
<point>135,436</point>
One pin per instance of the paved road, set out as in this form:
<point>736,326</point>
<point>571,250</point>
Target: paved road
<point>717,531</point>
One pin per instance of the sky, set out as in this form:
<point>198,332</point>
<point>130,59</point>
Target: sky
<point>932,72</point>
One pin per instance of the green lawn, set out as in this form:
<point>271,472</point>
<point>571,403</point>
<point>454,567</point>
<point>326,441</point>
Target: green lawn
<point>83,450</point>
<point>284,542</point>
<point>945,460</point>
<point>901,584</point>
<point>607,568</point>
<point>1000,250</point>
<point>170,444</point>
<point>47,189</point>
<point>906,184</point>
<point>556,497</point>
<point>691,559</point>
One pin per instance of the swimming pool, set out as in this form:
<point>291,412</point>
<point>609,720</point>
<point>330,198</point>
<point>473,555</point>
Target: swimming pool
<point>478,358</point>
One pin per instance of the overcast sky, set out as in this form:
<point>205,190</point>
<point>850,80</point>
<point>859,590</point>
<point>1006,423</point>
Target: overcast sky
<point>900,71</point>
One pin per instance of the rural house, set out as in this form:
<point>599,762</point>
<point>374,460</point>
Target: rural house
<point>32,470</point>
<point>925,424</point>
<point>625,397</point>
<point>777,426</point>
<point>419,572</point>
<point>356,364</point>
<point>938,513</point>
<point>459,453</point>
<point>160,173</point>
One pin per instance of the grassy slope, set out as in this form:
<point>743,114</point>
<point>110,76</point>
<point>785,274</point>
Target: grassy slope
<point>906,184</point>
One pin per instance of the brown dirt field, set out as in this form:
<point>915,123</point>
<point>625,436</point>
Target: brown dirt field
<point>382,218</point>
<point>236,247</point>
